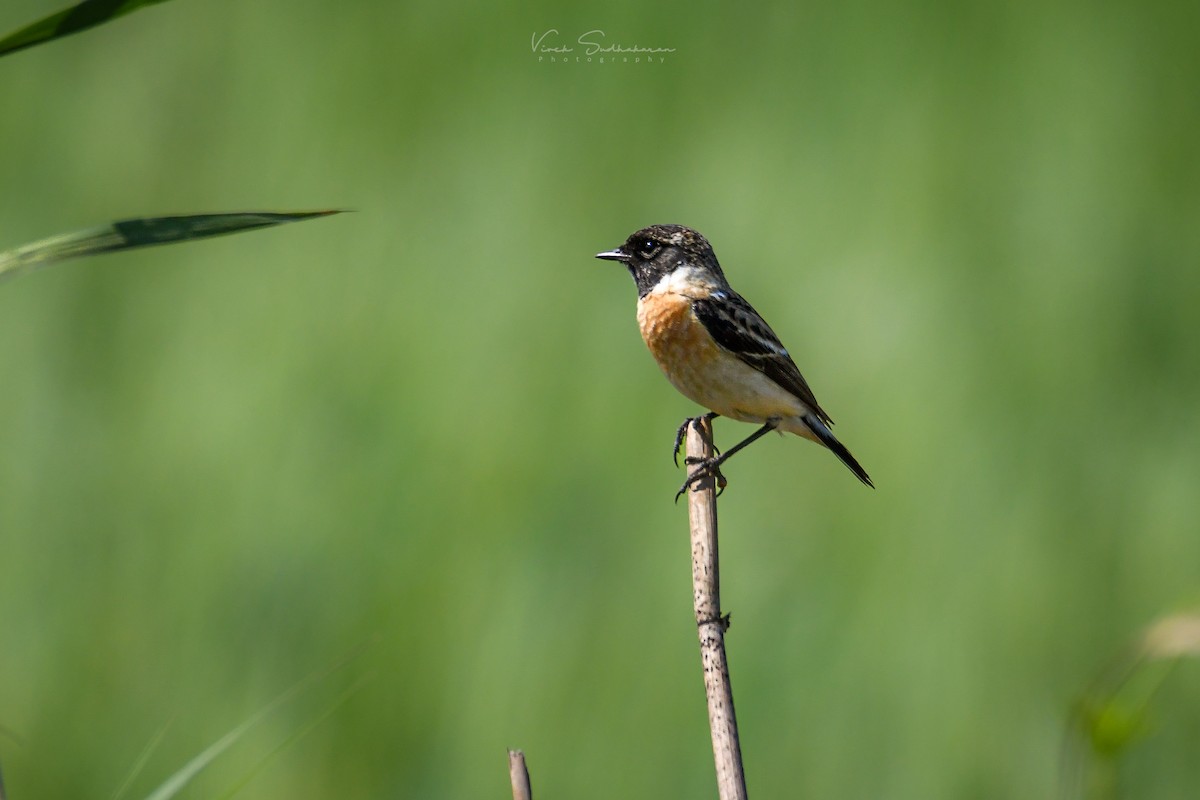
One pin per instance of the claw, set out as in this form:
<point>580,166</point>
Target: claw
<point>679,434</point>
<point>682,432</point>
<point>706,468</point>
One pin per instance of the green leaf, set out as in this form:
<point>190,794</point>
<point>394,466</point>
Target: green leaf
<point>293,738</point>
<point>183,776</point>
<point>143,232</point>
<point>176,782</point>
<point>1113,727</point>
<point>1115,711</point>
<point>82,16</point>
<point>140,763</point>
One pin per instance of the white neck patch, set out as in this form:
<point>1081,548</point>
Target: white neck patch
<point>684,280</point>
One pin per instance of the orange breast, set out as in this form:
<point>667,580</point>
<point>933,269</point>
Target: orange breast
<point>704,372</point>
<point>672,332</point>
<point>680,344</point>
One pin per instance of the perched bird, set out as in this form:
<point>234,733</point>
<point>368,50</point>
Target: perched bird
<point>714,347</point>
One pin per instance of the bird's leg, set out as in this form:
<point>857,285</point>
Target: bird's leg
<point>679,434</point>
<point>711,467</point>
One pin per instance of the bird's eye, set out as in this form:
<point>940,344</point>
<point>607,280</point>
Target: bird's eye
<point>648,248</point>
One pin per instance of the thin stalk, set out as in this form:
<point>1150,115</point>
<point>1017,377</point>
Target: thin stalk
<point>711,625</point>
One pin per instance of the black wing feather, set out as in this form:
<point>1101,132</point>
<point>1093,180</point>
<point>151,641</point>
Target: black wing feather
<point>741,330</point>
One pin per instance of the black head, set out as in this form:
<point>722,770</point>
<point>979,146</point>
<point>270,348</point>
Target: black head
<point>655,252</point>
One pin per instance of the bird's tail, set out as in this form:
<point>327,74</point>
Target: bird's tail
<point>826,437</point>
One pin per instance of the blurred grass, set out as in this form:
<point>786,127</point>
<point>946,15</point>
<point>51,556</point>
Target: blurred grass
<point>221,466</point>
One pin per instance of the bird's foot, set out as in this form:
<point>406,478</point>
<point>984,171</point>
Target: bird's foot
<point>704,468</point>
<point>682,432</point>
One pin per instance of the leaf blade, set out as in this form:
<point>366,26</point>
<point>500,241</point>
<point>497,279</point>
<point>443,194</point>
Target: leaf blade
<point>130,234</point>
<point>79,17</point>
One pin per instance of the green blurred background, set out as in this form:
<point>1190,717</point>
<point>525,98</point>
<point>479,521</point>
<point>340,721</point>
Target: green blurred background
<point>431,427</point>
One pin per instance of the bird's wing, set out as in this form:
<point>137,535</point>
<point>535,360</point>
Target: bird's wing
<point>741,330</point>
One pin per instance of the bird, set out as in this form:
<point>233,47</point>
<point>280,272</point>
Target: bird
<point>715,348</point>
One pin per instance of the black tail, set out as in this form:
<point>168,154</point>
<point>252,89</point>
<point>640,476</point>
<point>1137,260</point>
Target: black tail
<point>829,440</point>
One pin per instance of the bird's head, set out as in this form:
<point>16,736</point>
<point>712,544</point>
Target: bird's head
<point>657,252</point>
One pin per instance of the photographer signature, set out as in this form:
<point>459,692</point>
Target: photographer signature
<point>592,42</point>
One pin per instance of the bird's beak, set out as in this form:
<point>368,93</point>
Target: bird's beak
<point>614,255</point>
